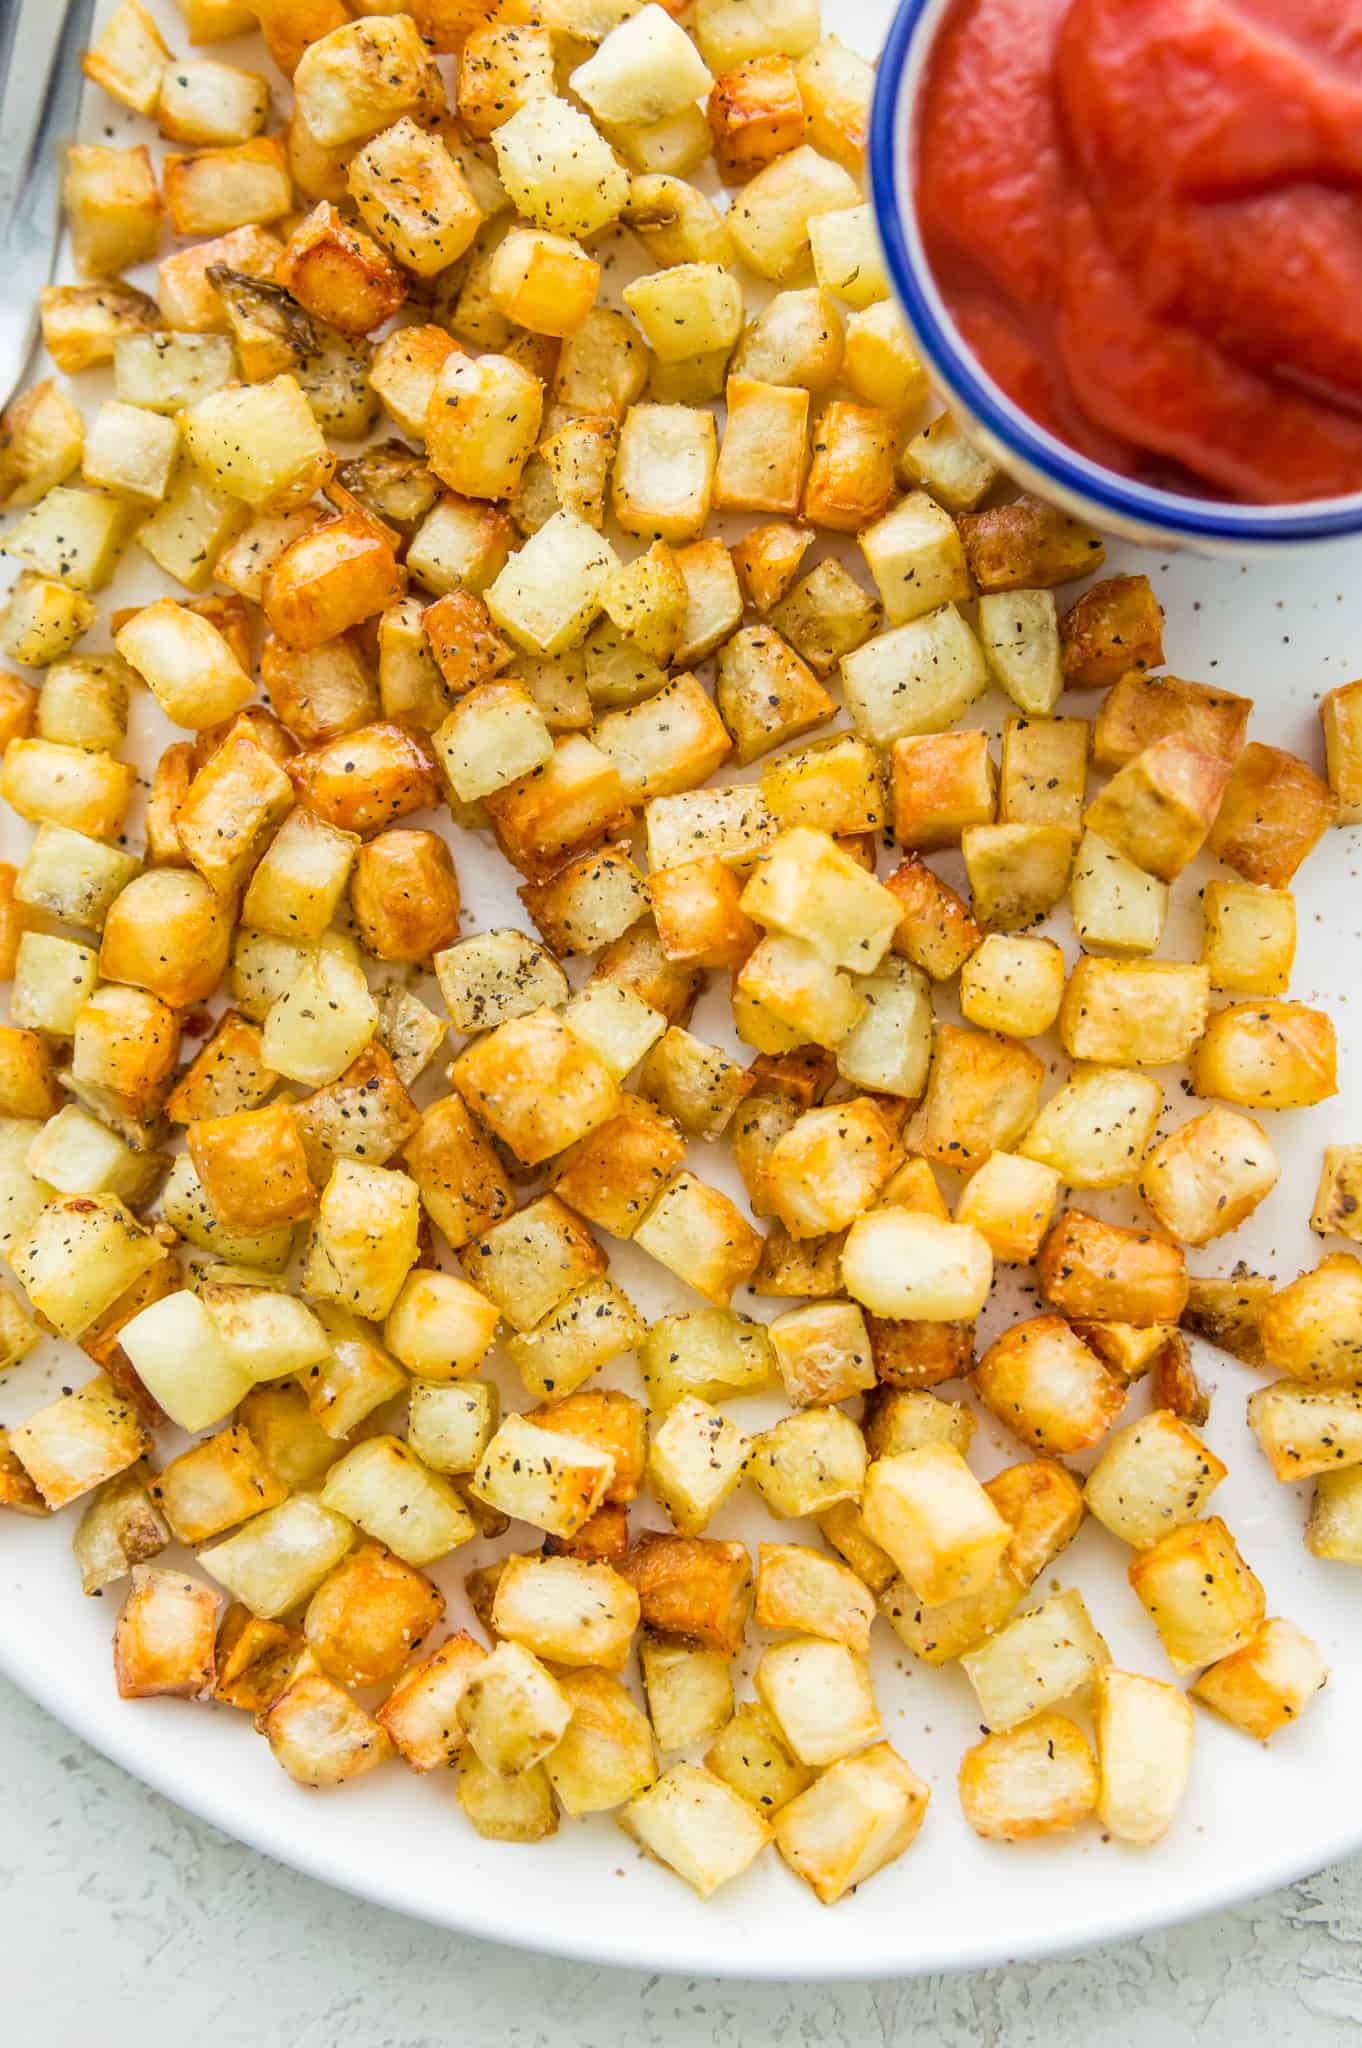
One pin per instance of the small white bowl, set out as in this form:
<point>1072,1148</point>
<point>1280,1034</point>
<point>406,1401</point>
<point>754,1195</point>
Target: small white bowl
<point>1025,450</point>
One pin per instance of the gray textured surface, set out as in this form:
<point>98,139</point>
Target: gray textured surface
<point>127,1922</point>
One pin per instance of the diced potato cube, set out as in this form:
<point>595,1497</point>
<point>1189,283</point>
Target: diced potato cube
<point>1338,1199</point>
<point>1267,1055</point>
<point>819,1695</point>
<point>1159,808</point>
<point>1304,1430</point>
<point>1046,1656</point>
<point>1019,1784</point>
<point>1341,716</point>
<point>386,1489</point>
<point>1135,1012</point>
<point>360,78</point>
<point>282,1556</point>
<point>663,481</point>
<point>1019,633</point>
<point>809,1462</point>
<point>770,220</point>
<point>1144,1752</point>
<point>325,1017</point>
<point>917,678</point>
<point>541,1476</point>
<point>1198,1592</point>
<point>1274,813</point>
<point>165,1636</point>
<point>1209,1176</point>
<point>78,1255</point>
<point>559,171</point>
<point>698,1234</point>
<point>319,1734</point>
<point>1153,1475</point>
<point>1028,543</point>
<point>689,1692</point>
<point>1265,1684</point>
<point>929,1512</point>
<point>697,1825</point>
<point>78,1441</point>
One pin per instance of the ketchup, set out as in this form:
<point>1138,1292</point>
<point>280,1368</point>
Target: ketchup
<point>1145,217</point>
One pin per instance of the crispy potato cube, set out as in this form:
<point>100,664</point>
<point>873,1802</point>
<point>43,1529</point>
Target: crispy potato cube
<point>801,1589</point>
<point>613,1173</point>
<point>847,259</point>
<point>1144,1747</point>
<point>1198,1592</point>
<point>1023,1783</point>
<point>216,1483</point>
<point>935,930</point>
<point>796,339</point>
<point>449,1427</point>
<point>1010,1200</point>
<point>495,976</point>
<point>1341,716</point>
<point>43,620</point>
<point>982,1094</point>
<point>439,1326</point>
<point>670,743</point>
<point>1090,1268</point>
<point>252,1168</point>
<point>1096,1130</point>
<point>300,880</point>
<point>165,1636</point>
<point>78,1255</point>
<point>918,678</point>
<point>354,1378</point>
<point>1134,1012</point>
<point>689,1691</point>
<point>755,114</point>
<point>644,69</point>
<point>765,448</point>
<point>750,1755</point>
<point>699,919</point>
<point>1013,985</point>
<point>259,443</point>
<point>187,664</point>
<point>767,560</point>
<point>1115,903</point>
<point>1267,1055</point>
<point>929,1512</point>
<point>1310,1328</point>
<point>360,78</point>
<point>245,185</point>
<point>699,1235</point>
<point>1044,772</point>
<point>541,1476</point>
<point>492,737</point>
<point>710,1354</point>
<point>518,1809</point>
<point>501,67</point>
<point>462,1183</point>
<point>829,1167</point>
<point>808,1462</point>
<point>1265,1684</point>
<point>566,1611</point>
<point>112,206</point>
<point>230,811</point>
<point>547,595</point>
<point>1274,813</point>
<point>898,1419</point>
<point>482,423</point>
<point>695,1460</point>
<point>319,1734</point>
<point>546,283</point>
<point>819,1695</point>
<point>696,1084</point>
<point>770,219</point>
<point>1028,544</point>
<point>18,1494</point>
<point>1153,1475</point>
<point>72,537</point>
<point>850,479</point>
<point>861,1814</point>
<point>530,1262</point>
<point>420,1714</point>
<point>335,576</point>
<point>78,1441</point>
<point>889,1048</point>
<point>58,785</point>
<point>1038,1660</point>
<point>578,1335</point>
<point>1114,628</point>
<point>809,888</point>
<point>122,1056</point>
<point>1045,1385</point>
<point>941,784</point>
<point>183,1360</point>
<point>1139,710</point>
<point>1305,1430</point>
<point>414,198</point>
<point>944,459</point>
<point>823,1353</point>
<point>609,1421</point>
<point>270,1334</point>
<point>730,822</point>
<point>27,1084</point>
<point>606,1754</point>
<point>1249,942</point>
<point>1159,808</point>
<point>364,1240</point>
<point>128,58</point>
<point>536,1085</point>
<point>1209,1175</point>
<point>82,323</point>
<point>1017,872</point>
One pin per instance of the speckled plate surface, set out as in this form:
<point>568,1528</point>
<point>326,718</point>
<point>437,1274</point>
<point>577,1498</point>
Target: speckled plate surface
<point>1252,1819</point>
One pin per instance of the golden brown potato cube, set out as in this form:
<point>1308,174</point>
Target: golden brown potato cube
<point>113,207</point>
<point>929,1512</point>
<point>1249,942</point>
<point>700,922</point>
<point>606,1754</point>
<point>365,1238</point>
<point>1114,628</point>
<point>78,1441</point>
<point>770,219</point>
<point>1139,710</point>
<point>851,475</point>
<point>405,895</point>
<point>41,438</point>
<point>693,1082</point>
<point>1341,716</point>
<point>694,1587</point>
<point>935,930</point>
<point>698,1234</point>
<point>358,79</point>
<point>808,1462</point>
<point>589,902</point>
<point>1265,1684</point>
<point>319,1734</point>
<point>801,1589</point>
<point>1152,1476</point>
<point>1159,808</point>
<point>941,784</point>
<point>365,1113</point>
<point>1304,1430</point>
<point>420,1714</point>
<point>366,779</point>
<point>255,1659</point>
<point>612,1175</point>
<point>1143,1013</point>
<point>1013,985</point>
<point>1044,772</point>
<point>1046,1386</point>
<point>767,559</point>
<point>253,1168</point>
<point>216,1483</point>
<point>765,448</point>
<point>1010,1201</point>
<point>1017,873</point>
<point>755,114</point>
<point>823,1353</point>
<point>982,1094</point>
<point>1046,1655</point>
<point>413,196</point>
<point>333,577</point>
<point>664,472</point>
<point>1310,1328</point>
<point>569,1612</point>
<point>826,617</point>
<point>18,1494</point>
<point>461,639</point>
<point>1198,1592</point>
<point>608,1421</point>
<point>370,1616</point>
<point>28,1085</point>
<point>1090,1268</point>
<point>1024,1783</point>
<point>501,67</point>
<point>536,1086</point>
<point>1275,811</point>
<point>1267,1055</point>
<point>119,1529</point>
<point>1209,1175</point>
<point>462,1183</point>
<point>829,1167</point>
<point>244,185</point>
<point>165,1635</point>
<point>750,1755</point>
<point>573,801</point>
<point>321,693</point>
<point>766,694</point>
<point>482,423</point>
<point>169,933</point>
<point>1097,1129</point>
<point>231,808</point>
<point>1028,544</point>
<point>859,1815</point>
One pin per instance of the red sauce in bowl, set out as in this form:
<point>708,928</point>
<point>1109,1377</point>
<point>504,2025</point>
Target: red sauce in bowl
<point>1145,217</point>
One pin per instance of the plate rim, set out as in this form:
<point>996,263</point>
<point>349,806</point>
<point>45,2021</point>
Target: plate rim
<point>294,1851</point>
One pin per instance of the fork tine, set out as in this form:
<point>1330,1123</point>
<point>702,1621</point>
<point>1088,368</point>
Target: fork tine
<point>39,100</point>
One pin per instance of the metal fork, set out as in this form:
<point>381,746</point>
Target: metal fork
<point>41,44</point>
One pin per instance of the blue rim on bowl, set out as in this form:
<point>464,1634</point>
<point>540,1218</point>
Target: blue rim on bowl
<point>1025,448</point>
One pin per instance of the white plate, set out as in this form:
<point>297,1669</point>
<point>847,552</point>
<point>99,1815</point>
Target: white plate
<point>1253,1818</point>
